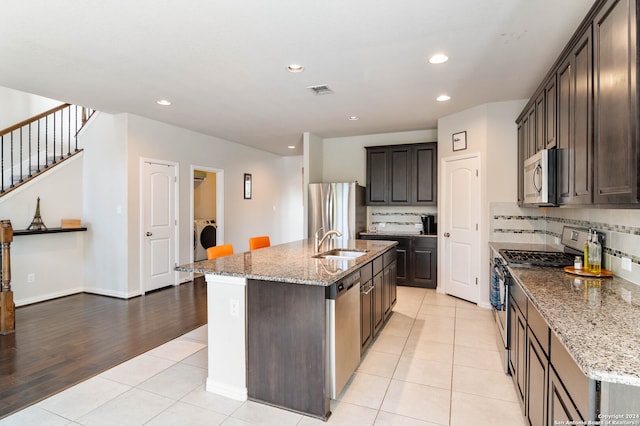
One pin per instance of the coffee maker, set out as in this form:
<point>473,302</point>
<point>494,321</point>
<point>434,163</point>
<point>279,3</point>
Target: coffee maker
<point>428,224</point>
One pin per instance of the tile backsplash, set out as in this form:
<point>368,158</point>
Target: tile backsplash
<point>399,218</point>
<point>620,228</point>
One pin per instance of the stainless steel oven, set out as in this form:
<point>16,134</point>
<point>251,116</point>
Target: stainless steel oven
<point>499,293</point>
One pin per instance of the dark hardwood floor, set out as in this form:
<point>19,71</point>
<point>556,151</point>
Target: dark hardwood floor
<point>62,342</point>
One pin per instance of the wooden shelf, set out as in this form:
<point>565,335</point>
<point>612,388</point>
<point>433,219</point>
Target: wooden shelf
<point>47,231</point>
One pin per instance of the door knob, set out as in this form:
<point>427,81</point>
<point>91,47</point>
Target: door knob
<point>446,234</point>
<point>149,234</point>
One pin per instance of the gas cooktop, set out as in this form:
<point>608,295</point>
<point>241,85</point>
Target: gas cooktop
<point>536,258</point>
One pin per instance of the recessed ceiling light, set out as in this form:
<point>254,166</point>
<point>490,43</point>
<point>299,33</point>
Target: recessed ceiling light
<point>295,68</point>
<point>443,98</point>
<point>354,118</point>
<point>164,102</point>
<point>438,58</point>
<point>291,147</point>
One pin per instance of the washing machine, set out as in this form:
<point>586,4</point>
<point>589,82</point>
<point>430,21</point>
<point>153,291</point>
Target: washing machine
<point>204,236</point>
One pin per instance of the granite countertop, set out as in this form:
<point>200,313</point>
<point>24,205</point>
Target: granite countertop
<point>596,319</point>
<point>291,262</point>
<point>399,234</point>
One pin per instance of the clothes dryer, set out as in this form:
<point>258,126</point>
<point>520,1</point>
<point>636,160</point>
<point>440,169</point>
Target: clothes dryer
<point>204,236</point>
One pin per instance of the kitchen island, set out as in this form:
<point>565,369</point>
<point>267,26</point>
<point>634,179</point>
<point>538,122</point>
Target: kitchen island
<point>269,320</point>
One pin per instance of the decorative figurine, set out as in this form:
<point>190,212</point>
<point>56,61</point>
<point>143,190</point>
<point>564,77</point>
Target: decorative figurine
<point>37,224</point>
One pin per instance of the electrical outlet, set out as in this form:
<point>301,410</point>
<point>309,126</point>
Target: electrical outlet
<point>234,307</point>
<point>31,278</point>
<point>382,225</point>
<point>417,225</point>
<point>626,263</point>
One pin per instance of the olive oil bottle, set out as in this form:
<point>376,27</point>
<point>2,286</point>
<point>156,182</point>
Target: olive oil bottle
<point>585,252</point>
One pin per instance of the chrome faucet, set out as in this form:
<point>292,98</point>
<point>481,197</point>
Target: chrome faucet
<point>318,244</point>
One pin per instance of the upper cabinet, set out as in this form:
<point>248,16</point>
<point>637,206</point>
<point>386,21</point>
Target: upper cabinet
<point>402,175</point>
<point>587,109</point>
<point>616,155</point>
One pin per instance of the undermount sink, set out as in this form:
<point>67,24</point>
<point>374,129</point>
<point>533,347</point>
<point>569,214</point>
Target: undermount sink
<point>341,253</point>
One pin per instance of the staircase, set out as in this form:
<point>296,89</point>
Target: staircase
<point>33,146</point>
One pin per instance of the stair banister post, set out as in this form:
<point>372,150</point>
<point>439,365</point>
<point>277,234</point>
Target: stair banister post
<point>7,307</point>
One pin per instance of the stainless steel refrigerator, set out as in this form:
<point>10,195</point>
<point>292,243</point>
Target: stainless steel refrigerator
<point>339,206</point>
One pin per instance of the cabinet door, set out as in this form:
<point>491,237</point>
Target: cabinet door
<point>518,349</point>
<point>550,113</point>
<point>616,155</point>
<point>424,263</point>
<point>560,409</point>
<point>366,318</point>
<point>378,306</point>
<point>541,136</point>
<point>402,259</point>
<point>386,288</point>
<point>521,159</point>
<point>575,155</point>
<point>537,369</point>
<point>520,343</point>
<point>377,176</point>
<point>400,171</point>
<point>425,174</point>
<point>393,284</point>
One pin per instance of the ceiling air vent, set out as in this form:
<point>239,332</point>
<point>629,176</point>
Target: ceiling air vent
<point>322,89</point>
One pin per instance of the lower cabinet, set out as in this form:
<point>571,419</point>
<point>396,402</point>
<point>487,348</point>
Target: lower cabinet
<point>378,295</point>
<point>561,409</point>
<point>416,259</point>
<point>537,371</point>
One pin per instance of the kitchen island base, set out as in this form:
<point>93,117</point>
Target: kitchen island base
<point>286,346</point>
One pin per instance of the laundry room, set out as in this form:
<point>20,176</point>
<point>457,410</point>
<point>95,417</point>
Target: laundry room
<point>204,213</point>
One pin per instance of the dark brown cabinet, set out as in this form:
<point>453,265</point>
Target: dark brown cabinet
<point>518,346</point>
<point>416,259</point>
<point>616,151</point>
<point>384,293</point>
<point>366,306</point>
<point>550,113</point>
<point>561,409</point>
<point>402,175</point>
<point>424,261</point>
<point>537,369</point>
<point>575,147</point>
<point>590,104</point>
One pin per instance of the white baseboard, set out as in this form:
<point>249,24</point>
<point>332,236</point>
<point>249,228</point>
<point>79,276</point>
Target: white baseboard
<point>48,296</point>
<point>233,392</point>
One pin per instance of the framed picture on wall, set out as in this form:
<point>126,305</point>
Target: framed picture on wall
<point>247,186</point>
<point>459,141</point>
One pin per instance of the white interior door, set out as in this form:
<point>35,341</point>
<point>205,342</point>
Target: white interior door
<point>158,224</point>
<point>461,233</point>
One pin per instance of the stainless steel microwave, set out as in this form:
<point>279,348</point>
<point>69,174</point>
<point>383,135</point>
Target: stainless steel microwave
<point>540,178</point>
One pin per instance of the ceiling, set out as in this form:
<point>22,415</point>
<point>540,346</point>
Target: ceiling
<point>223,64</point>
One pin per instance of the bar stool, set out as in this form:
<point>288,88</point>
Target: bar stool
<point>259,242</point>
<point>219,251</point>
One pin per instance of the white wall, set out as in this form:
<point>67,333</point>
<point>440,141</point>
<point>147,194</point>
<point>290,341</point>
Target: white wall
<point>105,205</point>
<point>16,106</point>
<point>268,212</point>
<point>345,159</point>
<point>491,132</point>
<point>56,260</point>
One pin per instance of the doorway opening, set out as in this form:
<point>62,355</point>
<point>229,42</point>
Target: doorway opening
<point>207,212</point>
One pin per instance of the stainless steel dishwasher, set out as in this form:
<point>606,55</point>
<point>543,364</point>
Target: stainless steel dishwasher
<point>343,332</point>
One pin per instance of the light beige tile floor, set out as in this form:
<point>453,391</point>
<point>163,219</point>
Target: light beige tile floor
<point>434,363</point>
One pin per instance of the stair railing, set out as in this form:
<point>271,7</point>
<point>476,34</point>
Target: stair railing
<point>31,146</point>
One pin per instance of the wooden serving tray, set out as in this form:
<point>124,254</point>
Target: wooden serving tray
<point>585,273</point>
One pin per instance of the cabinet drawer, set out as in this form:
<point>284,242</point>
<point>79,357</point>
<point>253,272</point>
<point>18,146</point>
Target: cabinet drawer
<point>539,327</point>
<point>366,272</point>
<point>377,265</point>
<point>519,297</point>
<point>389,257</point>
